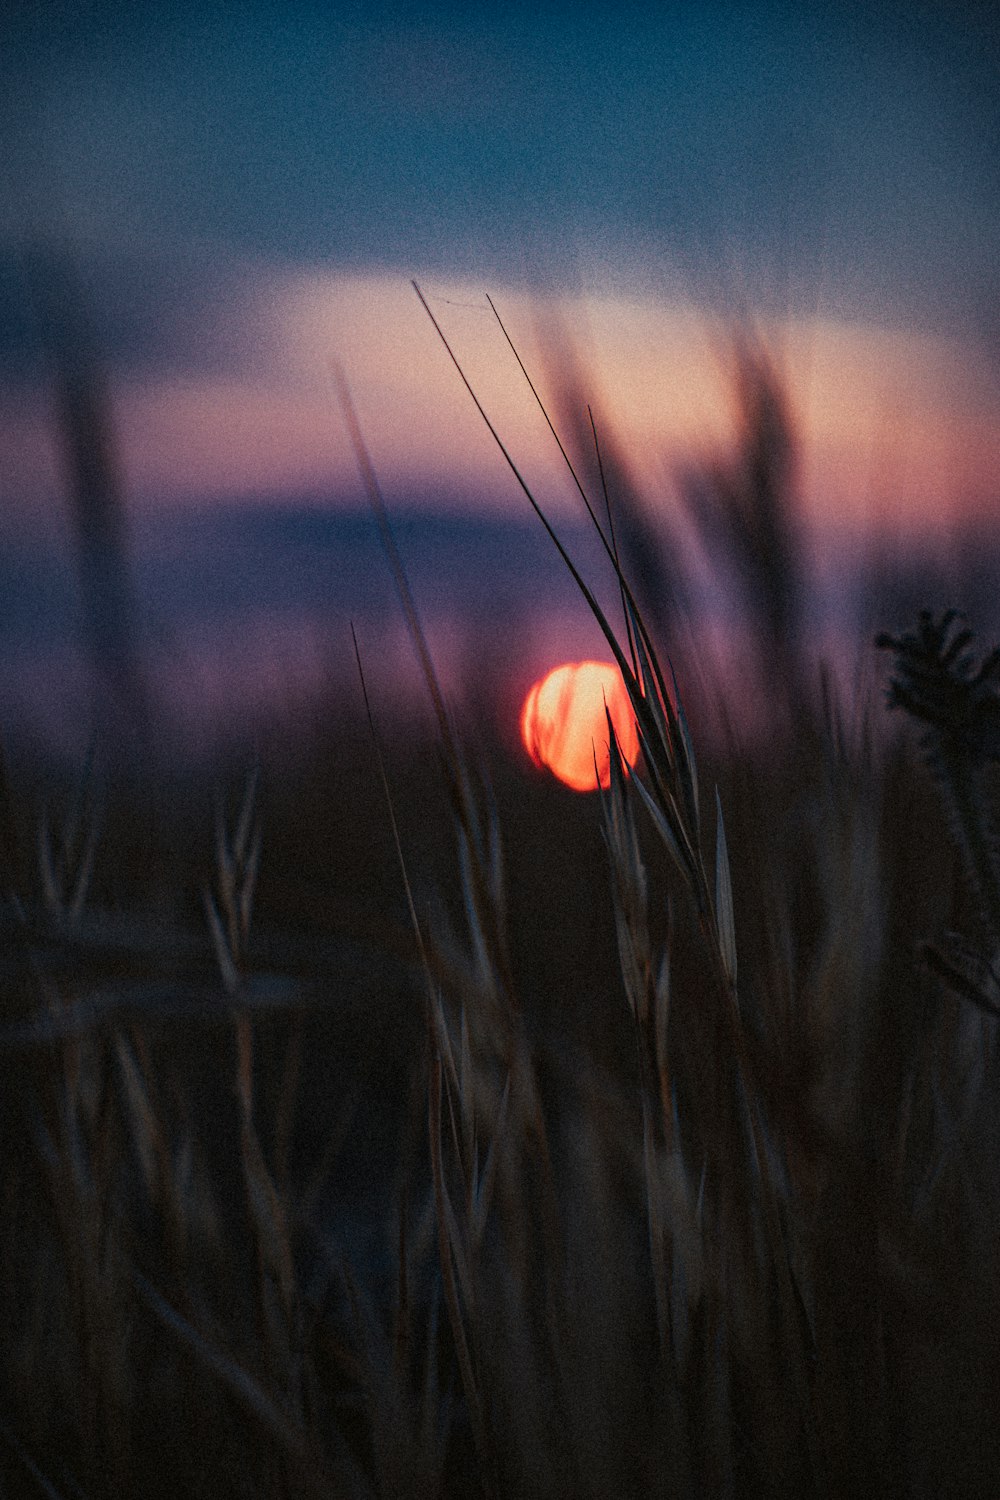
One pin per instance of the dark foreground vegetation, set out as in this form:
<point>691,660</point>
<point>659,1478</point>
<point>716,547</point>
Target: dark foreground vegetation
<point>655,1156</point>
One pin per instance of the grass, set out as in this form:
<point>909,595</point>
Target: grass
<point>492,1141</point>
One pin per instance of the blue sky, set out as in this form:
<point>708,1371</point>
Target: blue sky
<point>245,191</point>
<point>836,163</point>
<point>837,153</point>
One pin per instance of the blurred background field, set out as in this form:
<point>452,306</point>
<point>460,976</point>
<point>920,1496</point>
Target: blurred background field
<point>626,1161</point>
<point>488,1138</point>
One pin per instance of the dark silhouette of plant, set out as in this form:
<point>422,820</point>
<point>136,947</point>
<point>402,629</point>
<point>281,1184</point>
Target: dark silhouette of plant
<point>97,503</point>
<point>937,682</point>
<point>743,507</point>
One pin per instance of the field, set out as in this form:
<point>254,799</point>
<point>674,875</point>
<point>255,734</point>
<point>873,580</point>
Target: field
<point>390,1121</point>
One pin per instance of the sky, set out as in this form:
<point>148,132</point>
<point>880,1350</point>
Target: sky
<point>244,194</point>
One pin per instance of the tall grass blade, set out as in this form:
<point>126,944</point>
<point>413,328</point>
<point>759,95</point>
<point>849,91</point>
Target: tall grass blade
<point>724,916</point>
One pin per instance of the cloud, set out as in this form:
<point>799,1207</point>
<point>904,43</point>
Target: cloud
<point>220,383</point>
<point>145,307</point>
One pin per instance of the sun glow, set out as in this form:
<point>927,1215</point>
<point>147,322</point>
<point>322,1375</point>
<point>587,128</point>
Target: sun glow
<point>564,724</point>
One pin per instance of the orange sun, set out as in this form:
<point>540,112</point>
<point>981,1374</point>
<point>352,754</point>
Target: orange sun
<point>565,728</point>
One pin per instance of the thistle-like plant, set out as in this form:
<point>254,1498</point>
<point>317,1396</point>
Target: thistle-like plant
<point>937,681</point>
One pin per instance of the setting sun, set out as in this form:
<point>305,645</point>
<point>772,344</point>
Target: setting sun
<point>564,726</point>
